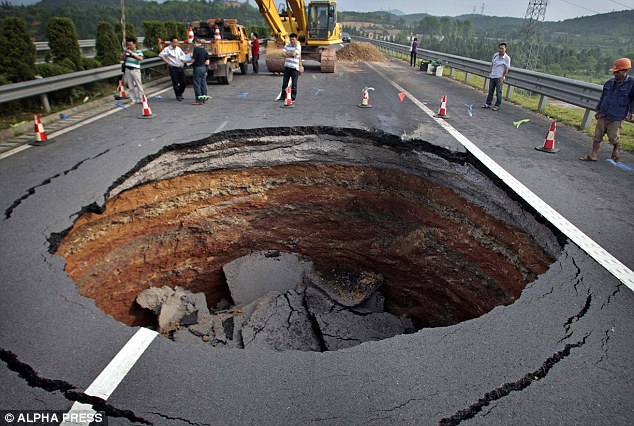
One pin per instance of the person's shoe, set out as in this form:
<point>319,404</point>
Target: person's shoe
<point>485,106</point>
<point>179,98</point>
<point>495,108</point>
<point>132,102</point>
<point>197,103</point>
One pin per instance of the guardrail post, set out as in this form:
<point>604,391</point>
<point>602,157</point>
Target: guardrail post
<point>44,99</point>
<point>451,71</point>
<point>484,86</point>
<point>466,77</point>
<point>45,104</point>
<point>541,106</point>
<point>509,91</point>
<point>587,119</point>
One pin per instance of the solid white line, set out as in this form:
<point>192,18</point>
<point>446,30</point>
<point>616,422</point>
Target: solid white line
<point>74,126</point>
<point>108,380</point>
<point>14,151</point>
<point>594,250</point>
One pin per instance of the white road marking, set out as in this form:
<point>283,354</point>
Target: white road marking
<point>72,127</point>
<point>108,380</point>
<point>594,250</point>
<point>222,126</point>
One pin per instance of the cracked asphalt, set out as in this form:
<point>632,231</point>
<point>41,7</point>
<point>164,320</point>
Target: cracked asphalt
<point>560,355</point>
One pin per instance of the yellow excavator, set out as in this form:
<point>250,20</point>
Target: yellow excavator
<point>316,28</point>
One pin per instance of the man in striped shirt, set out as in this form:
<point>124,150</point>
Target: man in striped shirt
<point>132,76</point>
<point>293,54</point>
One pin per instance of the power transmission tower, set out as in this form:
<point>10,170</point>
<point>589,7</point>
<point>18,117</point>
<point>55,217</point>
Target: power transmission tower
<point>531,30</point>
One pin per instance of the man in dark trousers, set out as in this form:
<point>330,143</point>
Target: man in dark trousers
<point>293,54</point>
<point>172,55</point>
<point>199,70</point>
<point>255,52</point>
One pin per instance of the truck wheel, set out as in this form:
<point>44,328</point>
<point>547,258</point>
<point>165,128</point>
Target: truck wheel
<point>244,67</point>
<point>228,77</point>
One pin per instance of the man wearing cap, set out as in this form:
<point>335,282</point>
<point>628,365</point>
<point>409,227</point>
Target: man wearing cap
<point>615,105</point>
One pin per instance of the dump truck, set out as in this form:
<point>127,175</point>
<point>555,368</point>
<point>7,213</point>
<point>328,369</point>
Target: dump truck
<point>316,27</point>
<point>227,54</point>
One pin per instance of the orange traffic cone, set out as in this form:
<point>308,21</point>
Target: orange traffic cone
<point>121,94</point>
<point>147,112</point>
<point>365,100</point>
<point>190,35</point>
<point>442,112</point>
<point>549,142</point>
<point>40,134</point>
<point>288,101</point>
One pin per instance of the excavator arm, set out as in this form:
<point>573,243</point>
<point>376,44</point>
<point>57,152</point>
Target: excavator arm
<point>298,8</point>
<point>273,19</point>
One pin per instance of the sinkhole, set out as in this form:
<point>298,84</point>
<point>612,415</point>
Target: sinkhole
<point>303,238</point>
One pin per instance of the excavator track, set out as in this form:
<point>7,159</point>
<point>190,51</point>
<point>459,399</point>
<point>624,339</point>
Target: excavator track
<point>328,60</point>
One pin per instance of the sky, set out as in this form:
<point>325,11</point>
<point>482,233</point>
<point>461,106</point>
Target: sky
<point>557,10</point>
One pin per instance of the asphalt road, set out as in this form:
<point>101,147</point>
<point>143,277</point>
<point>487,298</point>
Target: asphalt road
<point>561,354</point>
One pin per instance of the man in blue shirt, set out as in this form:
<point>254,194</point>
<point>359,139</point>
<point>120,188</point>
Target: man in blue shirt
<point>615,105</point>
<point>500,65</point>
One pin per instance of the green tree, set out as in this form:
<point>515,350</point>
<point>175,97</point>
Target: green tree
<point>129,32</point>
<point>108,52</point>
<point>153,31</point>
<point>62,40</point>
<point>18,59</point>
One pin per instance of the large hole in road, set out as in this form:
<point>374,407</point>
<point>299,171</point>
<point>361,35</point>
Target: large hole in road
<point>305,238</point>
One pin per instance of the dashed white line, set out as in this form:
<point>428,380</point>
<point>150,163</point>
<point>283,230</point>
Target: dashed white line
<point>108,380</point>
<point>594,250</point>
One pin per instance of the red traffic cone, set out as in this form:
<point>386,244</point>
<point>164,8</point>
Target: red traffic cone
<point>217,32</point>
<point>147,112</point>
<point>549,142</point>
<point>121,94</point>
<point>190,35</point>
<point>288,101</point>
<point>365,100</point>
<point>40,134</point>
<point>442,112</point>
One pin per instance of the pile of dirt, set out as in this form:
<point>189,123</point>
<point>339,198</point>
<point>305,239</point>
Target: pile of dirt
<point>362,51</point>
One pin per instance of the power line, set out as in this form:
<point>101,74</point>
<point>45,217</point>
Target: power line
<point>621,4</point>
<point>590,10</point>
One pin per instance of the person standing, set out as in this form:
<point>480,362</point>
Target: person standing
<point>293,53</point>
<point>172,55</point>
<point>255,52</point>
<point>132,75</point>
<point>615,105</point>
<point>500,65</point>
<point>199,68</point>
<point>412,52</point>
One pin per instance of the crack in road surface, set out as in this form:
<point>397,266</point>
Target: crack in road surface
<point>9,211</point>
<point>31,377</point>
<point>518,385</point>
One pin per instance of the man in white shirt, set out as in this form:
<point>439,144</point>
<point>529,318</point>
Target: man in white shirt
<point>293,54</point>
<point>173,55</point>
<point>500,65</point>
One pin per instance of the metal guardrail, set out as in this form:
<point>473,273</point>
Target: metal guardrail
<point>42,86</point>
<point>42,46</point>
<point>574,92</point>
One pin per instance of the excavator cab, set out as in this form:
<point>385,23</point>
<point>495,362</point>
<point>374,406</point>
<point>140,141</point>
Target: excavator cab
<point>322,20</point>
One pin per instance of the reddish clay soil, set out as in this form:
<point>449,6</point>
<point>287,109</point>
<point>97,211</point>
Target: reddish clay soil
<point>444,259</point>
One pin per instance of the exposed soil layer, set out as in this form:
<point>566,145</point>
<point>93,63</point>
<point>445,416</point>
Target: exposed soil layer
<point>447,252</point>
